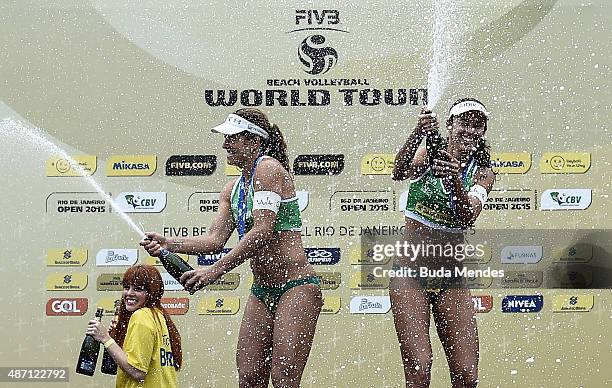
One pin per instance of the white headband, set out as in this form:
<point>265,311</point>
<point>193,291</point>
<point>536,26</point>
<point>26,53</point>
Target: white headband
<point>467,106</point>
<point>235,124</point>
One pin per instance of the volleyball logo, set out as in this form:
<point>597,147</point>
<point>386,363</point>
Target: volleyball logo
<point>317,58</point>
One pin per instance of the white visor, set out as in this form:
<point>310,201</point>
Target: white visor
<point>235,124</point>
<point>467,106</point>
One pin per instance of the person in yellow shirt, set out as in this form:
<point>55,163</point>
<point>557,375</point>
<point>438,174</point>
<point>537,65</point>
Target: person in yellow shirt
<point>145,343</point>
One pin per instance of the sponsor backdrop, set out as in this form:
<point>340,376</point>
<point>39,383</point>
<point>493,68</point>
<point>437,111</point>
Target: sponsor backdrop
<point>130,90</point>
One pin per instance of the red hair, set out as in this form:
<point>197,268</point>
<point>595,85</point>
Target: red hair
<point>149,279</point>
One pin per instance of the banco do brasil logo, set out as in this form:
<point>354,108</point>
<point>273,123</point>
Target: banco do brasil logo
<point>316,56</point>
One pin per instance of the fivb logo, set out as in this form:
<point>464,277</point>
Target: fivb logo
<point>565,199</point>
<point>522,303</point>
<point>212,259</point>
<point>141,202</point>
<point>112,257</point>
<point>521,254</point>
<point>370,305</point>
<point>316,56</point>
<point>323,256</point>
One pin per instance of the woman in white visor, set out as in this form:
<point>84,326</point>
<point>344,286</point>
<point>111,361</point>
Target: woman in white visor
<point>448,189</point>
<point>281,314</point>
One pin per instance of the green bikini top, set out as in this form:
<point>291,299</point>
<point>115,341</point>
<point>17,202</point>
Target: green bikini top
<point>430,203</point>
<point>288,217</point>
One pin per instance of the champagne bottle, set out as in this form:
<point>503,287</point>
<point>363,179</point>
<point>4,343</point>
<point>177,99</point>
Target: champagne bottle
<point>434,143</point>
<point>174,264</point>
<point>109,366</point>
<point>88,357</point>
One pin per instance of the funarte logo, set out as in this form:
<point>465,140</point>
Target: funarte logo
<point>131,165</point>
<point>141,202</point>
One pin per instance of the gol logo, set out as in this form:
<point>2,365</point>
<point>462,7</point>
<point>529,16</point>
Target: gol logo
<point>69,307</point>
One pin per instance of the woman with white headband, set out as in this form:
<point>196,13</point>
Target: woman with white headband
<point>282,311</point>
<point>446,194</point>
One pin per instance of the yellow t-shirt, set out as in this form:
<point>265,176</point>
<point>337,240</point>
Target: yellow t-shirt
<point>148,349</point>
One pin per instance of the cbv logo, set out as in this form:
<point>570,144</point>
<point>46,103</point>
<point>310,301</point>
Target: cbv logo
<point>212,259</point>
<point>313,16</point>
<point>323,256</point>
<point>562,199</point>
<point>522,303</point>
<point>141,202</point>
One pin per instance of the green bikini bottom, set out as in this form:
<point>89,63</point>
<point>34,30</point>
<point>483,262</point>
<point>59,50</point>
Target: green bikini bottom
<point>270,296</point>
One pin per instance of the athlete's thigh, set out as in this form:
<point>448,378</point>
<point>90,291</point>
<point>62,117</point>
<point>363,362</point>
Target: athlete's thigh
<point>456,325</point>
<point>255,339</point>
<point>410,307</point>
<point>295,324</point>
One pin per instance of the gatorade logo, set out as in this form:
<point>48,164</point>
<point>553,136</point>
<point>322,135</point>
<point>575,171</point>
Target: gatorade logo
<point>67,307</point>
<point>175,306</point>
